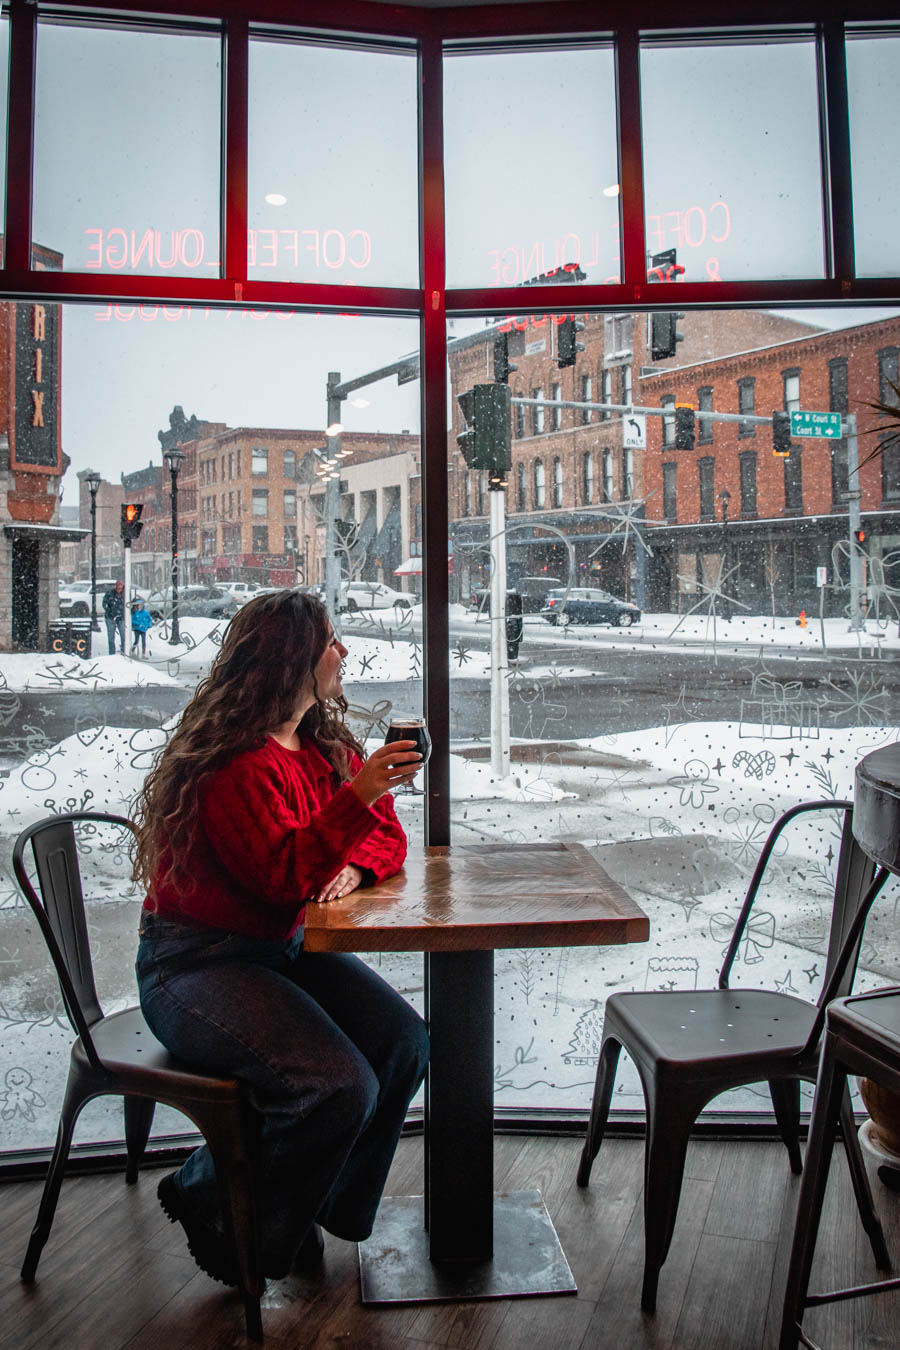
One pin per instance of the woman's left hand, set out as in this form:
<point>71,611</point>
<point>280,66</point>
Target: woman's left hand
<point>347,880</point>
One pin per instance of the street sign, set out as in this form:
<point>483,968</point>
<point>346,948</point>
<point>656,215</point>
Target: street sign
<point>816,424</point>
<point>634,431</point>
<point>821,576</point>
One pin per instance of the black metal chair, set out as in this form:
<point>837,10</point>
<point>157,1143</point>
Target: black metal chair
<point>862,1036</point>
<point>119,1055</point>
<point>689,1047</point>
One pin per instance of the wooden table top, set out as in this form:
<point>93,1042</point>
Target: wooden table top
<point>479,897</point>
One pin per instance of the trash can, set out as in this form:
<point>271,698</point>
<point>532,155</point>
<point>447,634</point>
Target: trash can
<point>70,637</point>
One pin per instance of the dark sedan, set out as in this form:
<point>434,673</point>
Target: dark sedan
<point>586,604</point>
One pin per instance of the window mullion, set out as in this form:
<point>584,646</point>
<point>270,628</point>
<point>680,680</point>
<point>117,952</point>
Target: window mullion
<point>633,248</point>
<point>233,187</point>
<point>433,386</point>
<point>20,155</point>
<point>836,176</point>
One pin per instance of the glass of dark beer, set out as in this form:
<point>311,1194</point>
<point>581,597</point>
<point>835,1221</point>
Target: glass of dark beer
<point>404,728</point>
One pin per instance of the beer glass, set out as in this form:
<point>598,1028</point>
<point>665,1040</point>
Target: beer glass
<point>403,728</point>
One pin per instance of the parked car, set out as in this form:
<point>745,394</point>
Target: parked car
<point>194,602</point>
<point>585,604</point>
<point>240,590</point>
<point>75,599</point>
<point>373,595</point>
<point>533,590</point>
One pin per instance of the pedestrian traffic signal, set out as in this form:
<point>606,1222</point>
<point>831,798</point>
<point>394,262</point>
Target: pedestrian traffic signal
<point>781,433</point>
<point>131,520</point>
<point>684,426</point>
<point>664,335</point>
<point>859,536</point>
<point>485,442</point>
<point>502,365</point>
<point>567,348</point>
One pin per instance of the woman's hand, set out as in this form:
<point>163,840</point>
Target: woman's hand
<point>347,880</point>
<point>388,767</point>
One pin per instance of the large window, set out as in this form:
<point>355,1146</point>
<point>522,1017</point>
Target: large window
<point>118,185</point>
<point>747,202</point>
<point>317,322</point>
<point>331,195</point>
<point>512,237</point>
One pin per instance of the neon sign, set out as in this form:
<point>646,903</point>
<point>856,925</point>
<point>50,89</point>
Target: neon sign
<point>118,249</point>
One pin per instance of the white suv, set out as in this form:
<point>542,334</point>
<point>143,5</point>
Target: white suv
<point>373,595</point>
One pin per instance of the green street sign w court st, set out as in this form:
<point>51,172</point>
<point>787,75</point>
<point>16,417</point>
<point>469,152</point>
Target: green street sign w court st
<point>826,424</point>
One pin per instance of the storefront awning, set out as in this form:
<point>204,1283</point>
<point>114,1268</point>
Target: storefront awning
<point>413,567</point>
<point>48,534</point>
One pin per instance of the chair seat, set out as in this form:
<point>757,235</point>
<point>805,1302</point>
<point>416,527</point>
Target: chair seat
<point>131,1053</point>
<point>676,1029</point>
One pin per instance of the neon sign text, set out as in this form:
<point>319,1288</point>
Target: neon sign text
<point>117,249</point>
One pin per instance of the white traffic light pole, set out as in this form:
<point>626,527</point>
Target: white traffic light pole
<point>127,598</point>
<point>499,654</point>
<point>853,515</point>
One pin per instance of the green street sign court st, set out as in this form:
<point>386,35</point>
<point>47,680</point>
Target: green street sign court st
<point>827,424</point>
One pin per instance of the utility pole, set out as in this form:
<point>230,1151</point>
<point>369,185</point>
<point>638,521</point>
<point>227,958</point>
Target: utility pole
<point>499,653</point>
<point>853,519</point>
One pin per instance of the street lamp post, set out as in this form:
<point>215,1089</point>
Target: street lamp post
<point>725,498</point>
<point>93,481</point>
<point>174,459</point>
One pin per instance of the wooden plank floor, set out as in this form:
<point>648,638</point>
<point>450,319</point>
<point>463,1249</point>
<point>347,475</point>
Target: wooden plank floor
<point>116,1274</point>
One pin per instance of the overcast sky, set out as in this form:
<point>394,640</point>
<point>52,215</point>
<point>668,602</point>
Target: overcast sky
<point>126,179</point>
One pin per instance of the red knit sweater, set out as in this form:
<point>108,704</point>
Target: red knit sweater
<point>275,826</point>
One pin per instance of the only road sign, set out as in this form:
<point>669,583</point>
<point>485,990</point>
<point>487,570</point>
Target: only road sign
<point>634,431</point>
<point>826,424</point>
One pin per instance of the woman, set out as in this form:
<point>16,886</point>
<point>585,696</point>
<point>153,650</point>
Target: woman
<point>261,802</point>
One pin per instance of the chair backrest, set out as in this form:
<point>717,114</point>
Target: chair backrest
<point>59,910</point>
<point>852,892</point>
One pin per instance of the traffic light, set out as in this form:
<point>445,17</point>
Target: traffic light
<point>684,426</point>
<point>485,443</point>
<point>131,520</point>
<point>664,335</point>
<point>663,267</point>
<point>567,348</point>
<point>859,536</point>
<point>502,364</point>
<point>781,433</point>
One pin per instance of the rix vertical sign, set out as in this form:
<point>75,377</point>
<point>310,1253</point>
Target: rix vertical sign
<point>36,423</point>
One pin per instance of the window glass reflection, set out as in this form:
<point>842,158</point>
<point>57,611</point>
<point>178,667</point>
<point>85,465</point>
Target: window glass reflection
<point>126,151</point>
<point>873,67</point>
<point>531,176</point>
<point>332,171</point>
<point>732,158</point>
<point>694,654</point>
<point>262,496</point>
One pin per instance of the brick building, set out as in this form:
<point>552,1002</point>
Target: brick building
<point>571,474</point>
<point>251,504</point>
<point>784,517</point>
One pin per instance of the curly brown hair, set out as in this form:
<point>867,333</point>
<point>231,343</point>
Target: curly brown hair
<point>270,649</point>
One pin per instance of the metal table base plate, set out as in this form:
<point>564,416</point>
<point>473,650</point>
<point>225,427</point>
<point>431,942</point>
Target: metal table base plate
<point>395,1267</point>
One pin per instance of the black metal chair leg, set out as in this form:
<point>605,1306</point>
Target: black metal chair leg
<point>668,1131</point>
<point>865,1202</point>
<point>829,1094</point>
<point>785,1094</point>
<point>73,1102</point>
<point>138,1120</point>
<point>238,1205</point>
<point>603,1086</point>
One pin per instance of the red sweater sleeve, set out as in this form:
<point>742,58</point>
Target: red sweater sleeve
<point>383,852</point>
<point>278,830</point>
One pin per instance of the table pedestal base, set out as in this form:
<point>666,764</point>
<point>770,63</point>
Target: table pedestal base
<point>395,1266</point>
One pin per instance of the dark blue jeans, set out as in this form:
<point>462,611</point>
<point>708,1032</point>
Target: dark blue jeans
<point>331,1054</point>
